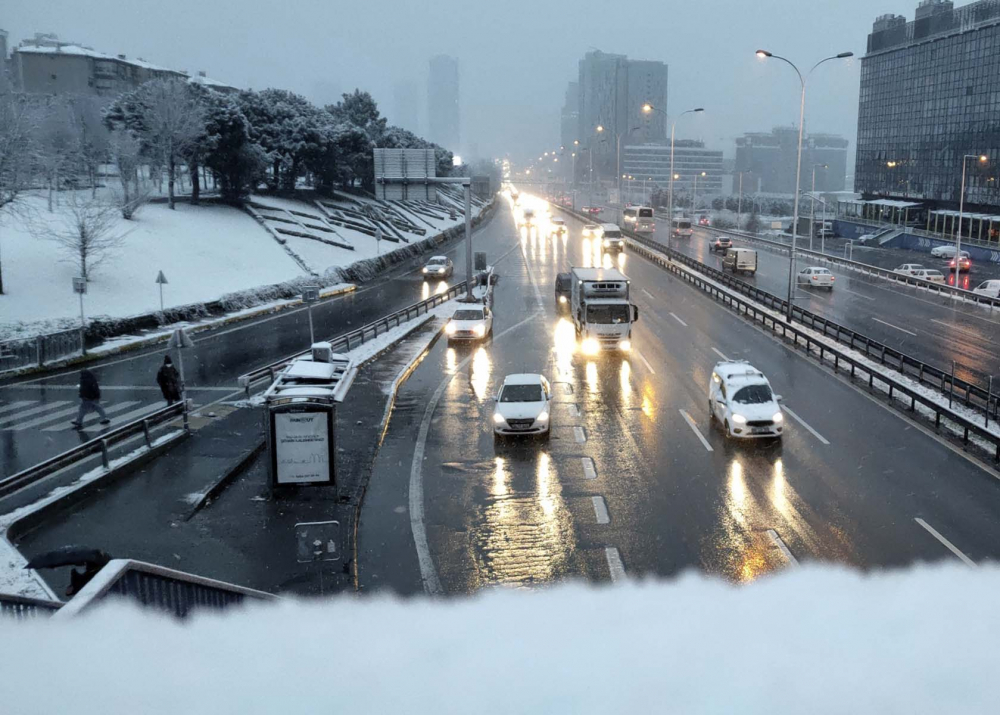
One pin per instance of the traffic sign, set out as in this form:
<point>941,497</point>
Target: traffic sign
<point>161,279</point>
<point>79,285</point>
<point>180,339</point>
<point>310,294</point>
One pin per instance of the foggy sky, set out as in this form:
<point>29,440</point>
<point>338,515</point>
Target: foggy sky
<point>515,56</point>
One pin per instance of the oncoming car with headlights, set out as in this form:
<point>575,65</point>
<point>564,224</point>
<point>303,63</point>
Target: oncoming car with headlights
<point>740,398</point>
<point>439,267</point>
<point>611,237</point>
<point>472,323</point>
<point>523,406</point>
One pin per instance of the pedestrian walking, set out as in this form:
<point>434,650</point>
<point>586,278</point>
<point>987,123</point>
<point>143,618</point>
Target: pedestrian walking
<point>90,399</point>
<point>169,381</point>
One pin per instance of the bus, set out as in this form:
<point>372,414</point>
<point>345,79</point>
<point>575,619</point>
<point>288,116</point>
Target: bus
<point>639,219</point>
<point>682,228</point>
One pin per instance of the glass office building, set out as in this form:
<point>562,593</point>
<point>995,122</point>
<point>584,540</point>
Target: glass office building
<point>930,94</point>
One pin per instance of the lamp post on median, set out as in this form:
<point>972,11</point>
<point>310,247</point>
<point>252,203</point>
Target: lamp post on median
<point>812,211</point>
<point>764,54</point>
<point>694,195</point>
<point>739,203</point>
<point>982,159</point>
<point>647,108</point>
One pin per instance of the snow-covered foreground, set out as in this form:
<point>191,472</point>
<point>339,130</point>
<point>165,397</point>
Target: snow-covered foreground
<point>816,640</point>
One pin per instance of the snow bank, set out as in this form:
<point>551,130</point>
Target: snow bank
<point>817,640</point>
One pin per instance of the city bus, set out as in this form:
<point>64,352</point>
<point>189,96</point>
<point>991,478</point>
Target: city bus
<point>639,219</point>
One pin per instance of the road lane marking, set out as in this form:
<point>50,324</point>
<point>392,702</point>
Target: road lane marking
<point>645,362</point>
<point>860,295</point>
<point>45,407</point>
<point>574,411</point>
<point>802,422</point>
<point>14,405</point>
<point>140,412</point>
<point>776,540</point>
<point>908,332</point>
<point>615,565</point>
<point>694,428</point>
<point>589,472</point>
<point>952,326</point>
<point>678,320</point>
<point>601,510</point>
<point>578,432</point>
<point>109,409</point>
<point>950,546</point>
<point>720,354</point>
<point>648,293</point>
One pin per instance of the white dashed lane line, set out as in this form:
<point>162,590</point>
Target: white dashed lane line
<point>674,316</point>
<point>776,540</point>
<point>645,362</point>
<point>719,353</point>
<point>601,510</point>
<point>697,432</point>
<point>579,434</point>
<point>802,422</point>
<point>896,327</point>
<point>650,295</point>
<point>950,546</point>
<point>589,472</point>
<point>615,565</point>
<point>573,410</point>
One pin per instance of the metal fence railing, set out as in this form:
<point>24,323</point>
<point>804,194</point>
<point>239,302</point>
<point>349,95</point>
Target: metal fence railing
<point>21,608</point>
<point>160,588</point>
<point>40,349</point>
<point>973,396</point>
<point>353,339</point>
<point>99,445</point>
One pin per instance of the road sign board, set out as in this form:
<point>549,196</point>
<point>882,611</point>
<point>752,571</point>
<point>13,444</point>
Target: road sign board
<point>480,258</point>
<point>317,541</point>
<point>310,294</point>
<point>180,339</point>
<point>80,285</point>
<point>378,233</point>
<point>161,279</point>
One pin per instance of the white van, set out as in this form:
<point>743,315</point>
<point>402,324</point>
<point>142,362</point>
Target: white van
<point>740,260</point>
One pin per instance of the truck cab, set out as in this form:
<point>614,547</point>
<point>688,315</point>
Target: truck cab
<point>601,311</point>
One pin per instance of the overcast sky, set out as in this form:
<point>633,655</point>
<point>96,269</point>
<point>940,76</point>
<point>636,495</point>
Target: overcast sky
<point>515,56</point>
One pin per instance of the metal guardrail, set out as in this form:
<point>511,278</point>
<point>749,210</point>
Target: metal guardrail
<point>99,445</point>
<point>350,340</point>
<point>821,351</point>
<point>885,273</point>
<point>164,589</point>
<point>39,349</point>
<point>971,395</point>
<point>21,608</point>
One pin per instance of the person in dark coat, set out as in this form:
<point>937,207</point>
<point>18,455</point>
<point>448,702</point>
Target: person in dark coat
<point>90,399</point>
<point>169,381</point>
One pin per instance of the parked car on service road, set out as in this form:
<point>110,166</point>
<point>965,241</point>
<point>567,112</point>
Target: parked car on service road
<point>945,252</point>
<point>930,274</point>
<point>816,277</point>
<point>908,269</point>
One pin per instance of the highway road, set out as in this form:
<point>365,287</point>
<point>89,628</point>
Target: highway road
<point>933,329</point>
<point>35,412</point>
<point>635,479</point>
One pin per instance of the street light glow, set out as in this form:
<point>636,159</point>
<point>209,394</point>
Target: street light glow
<point>763,54</point>
<point>647,107</point>
<point>600,127</point>
<point>983,159</point>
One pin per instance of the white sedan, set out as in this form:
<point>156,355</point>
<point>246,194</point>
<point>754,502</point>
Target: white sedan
<point>523,406</point>
<point>988,288</point>
<point>909,269</point>
<point>472,323</point>
<point>591,230</point>
<point>930,274</point>
<point>439,267</point>
<point>816,277</point>
<point>944,252</point>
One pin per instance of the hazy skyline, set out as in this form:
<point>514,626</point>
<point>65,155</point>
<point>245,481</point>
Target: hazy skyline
<point>515,58</point>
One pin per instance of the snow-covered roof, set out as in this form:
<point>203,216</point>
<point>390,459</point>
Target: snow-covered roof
<point>209,82</point>
<point>81,51</point>
<point>890,203</point>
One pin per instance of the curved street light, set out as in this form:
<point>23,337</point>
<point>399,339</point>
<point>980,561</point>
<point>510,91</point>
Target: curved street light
<point>764,54</point>
<point>647,108</point>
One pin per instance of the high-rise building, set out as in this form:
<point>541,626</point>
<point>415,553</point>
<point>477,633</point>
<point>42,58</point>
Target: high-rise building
<point>770,158</point>
<point>442,102</point>
<point>930,94</point>
<point>4,63</point>
<point>651,162</point>
<point>612,90</point>
<point>569,124</point>
<point>406,111</point>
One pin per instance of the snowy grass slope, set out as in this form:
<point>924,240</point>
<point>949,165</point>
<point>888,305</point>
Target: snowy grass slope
<point>817,640</point>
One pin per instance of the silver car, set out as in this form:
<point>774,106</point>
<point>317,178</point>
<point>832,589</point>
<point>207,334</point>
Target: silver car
<point>816,277</point>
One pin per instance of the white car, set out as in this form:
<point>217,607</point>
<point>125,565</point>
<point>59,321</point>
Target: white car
<point>439,267</point>
<point>816,277</point>
<point>557,225</point>
<point>930,274</point>
<point>523,406</point>
<point>864,238</point>
<point>741,399</point>
<point>909,269</point>
<point>946,252</point>
<point>591,230</point>
<point>472,323</point>
<point>988,288</point>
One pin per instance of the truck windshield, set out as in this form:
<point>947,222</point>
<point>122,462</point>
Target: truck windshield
<point>607,314</point>
<point>753,395</point>
<point>521,393</point>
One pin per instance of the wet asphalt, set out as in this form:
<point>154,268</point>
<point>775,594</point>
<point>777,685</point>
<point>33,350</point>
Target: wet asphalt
<point>635,478</point>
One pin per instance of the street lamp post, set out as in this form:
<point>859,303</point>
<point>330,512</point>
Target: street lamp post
<point>739,203</point>
<point>982,159</point>
<point>694,196</point>
<point>647,108</point>
<point>812,211</point>
<point>764,54</point>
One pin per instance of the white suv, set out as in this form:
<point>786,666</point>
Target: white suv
<point>523,406</point>
<point>471,323</point>
<point>740,398</point>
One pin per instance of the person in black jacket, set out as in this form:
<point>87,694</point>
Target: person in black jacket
<point>90,399</point>
<point>169,381</point>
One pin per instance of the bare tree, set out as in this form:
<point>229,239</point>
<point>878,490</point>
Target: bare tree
<point>17,153</point>
<point>126,153</point>
<point>86,230</point>
<point>58,140</point>
<point>172,124</point>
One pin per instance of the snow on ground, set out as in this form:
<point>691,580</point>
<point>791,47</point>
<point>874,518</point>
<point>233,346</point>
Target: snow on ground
<point>817,640</point>
<point>204,251</point>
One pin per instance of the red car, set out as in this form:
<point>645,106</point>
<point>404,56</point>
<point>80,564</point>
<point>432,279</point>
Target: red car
<point>965,263</point>
<point>703,221</point>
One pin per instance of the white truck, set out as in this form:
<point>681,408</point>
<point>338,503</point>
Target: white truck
<point>602,314</point>
<point>740,260</point>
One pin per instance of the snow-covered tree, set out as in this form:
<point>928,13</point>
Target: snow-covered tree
<point>126,153</point>
<point>237,161</point>
<point>85,230</point>
<point>360,110</point>
<point>58,141</point>
<point>18,154</point>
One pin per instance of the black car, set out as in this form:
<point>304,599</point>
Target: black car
<point>564,282</point>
